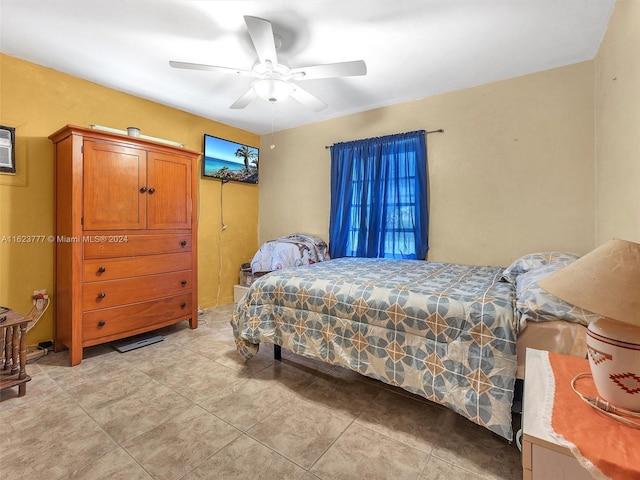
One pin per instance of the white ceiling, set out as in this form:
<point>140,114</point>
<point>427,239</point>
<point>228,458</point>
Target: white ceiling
<point>413,48</point>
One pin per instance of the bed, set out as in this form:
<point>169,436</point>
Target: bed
<point>447,332</point>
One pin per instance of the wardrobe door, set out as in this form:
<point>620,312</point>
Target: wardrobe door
<point>169,200</point>
<point>114,187</point>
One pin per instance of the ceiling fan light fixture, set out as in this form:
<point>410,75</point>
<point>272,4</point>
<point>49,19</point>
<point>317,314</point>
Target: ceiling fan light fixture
<point>273,89</point>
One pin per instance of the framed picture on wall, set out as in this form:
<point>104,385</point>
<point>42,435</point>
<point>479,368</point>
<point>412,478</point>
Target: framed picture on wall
<point>7,150</point>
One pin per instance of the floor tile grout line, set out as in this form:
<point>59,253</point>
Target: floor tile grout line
<point>275,451</point>
<point>332,444</point>
<point>117,445</point>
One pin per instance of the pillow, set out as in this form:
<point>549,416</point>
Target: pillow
<point>534,260</point>
<point>533,303</point>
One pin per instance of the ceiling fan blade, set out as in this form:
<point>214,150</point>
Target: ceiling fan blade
<point>211,68</point>
<point>330,70</point>
<point>308,100</point>
<point>245,99</point>
<point>261,33</point>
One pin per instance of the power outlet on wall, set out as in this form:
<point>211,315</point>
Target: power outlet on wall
<point>40,298</point>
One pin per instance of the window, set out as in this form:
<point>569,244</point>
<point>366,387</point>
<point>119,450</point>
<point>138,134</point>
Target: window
<point>379,197</point>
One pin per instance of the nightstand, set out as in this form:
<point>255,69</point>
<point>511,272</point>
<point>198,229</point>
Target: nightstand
<point>238,292</point>
<point>13,334</point>
<point>543,458</point>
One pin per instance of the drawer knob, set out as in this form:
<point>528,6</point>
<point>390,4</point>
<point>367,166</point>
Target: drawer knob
<point>152,191</point>
<point>143,189</point>
<point>183,282</point>
<point>102,270</point>
<point>102,295</point>
<point>102,323</point>
<point>183,243</point>
<point>183,305</point>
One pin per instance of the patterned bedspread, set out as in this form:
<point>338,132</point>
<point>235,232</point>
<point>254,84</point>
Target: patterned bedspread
<point>444,331</point>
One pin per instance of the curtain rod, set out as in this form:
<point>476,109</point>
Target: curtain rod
<point>440,130</point>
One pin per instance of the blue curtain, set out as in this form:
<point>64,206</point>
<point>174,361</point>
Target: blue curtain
<point>379,197</point>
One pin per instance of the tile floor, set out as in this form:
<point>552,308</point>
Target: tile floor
<point>189,408</point>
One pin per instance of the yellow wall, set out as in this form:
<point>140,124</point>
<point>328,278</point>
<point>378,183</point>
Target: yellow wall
<point>617,105</point>
<point>513,172</point>
<point>37,101</point>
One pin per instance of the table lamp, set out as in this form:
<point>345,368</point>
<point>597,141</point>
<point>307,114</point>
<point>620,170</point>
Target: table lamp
<point>606,281</point>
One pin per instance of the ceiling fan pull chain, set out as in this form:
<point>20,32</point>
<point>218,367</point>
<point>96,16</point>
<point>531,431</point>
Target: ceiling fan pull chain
<point>273,143</point>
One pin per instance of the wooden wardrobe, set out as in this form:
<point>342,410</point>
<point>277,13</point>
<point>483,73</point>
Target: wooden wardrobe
<point>126,236</point>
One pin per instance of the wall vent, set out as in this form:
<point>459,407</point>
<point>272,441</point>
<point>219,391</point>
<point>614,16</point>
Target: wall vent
<point>7,149</point>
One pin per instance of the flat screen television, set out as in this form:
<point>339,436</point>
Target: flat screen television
<point>229,160</point>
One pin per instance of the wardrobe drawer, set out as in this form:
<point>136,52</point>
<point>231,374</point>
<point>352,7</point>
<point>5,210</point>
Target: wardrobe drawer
<point>133,245</point>
<point>138,289</point>
<point>112,268</point>
<point>112,322</point>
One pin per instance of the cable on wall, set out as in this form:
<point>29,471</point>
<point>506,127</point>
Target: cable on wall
<point>223,227</point>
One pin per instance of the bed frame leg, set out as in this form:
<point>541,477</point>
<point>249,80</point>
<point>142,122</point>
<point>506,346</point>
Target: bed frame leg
<point>277,352</point>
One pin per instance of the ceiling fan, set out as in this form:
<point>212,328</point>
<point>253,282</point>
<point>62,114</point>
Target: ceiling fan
<point>275,80</point>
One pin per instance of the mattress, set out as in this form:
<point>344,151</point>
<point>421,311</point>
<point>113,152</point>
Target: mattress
<point>557,336</point>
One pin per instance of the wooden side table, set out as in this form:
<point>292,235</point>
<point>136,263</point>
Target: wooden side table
<point>13,337</point>
<point>543,458</point>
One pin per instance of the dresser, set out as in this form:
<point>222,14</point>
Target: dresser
<point>125,239</point>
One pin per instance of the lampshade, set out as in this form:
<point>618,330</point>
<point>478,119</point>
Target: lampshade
<point>272,89</point>
<point>606,281</point>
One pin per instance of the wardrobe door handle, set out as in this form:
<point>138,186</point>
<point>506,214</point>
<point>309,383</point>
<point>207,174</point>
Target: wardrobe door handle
<point>152,191</point>
<point>143,189</point>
